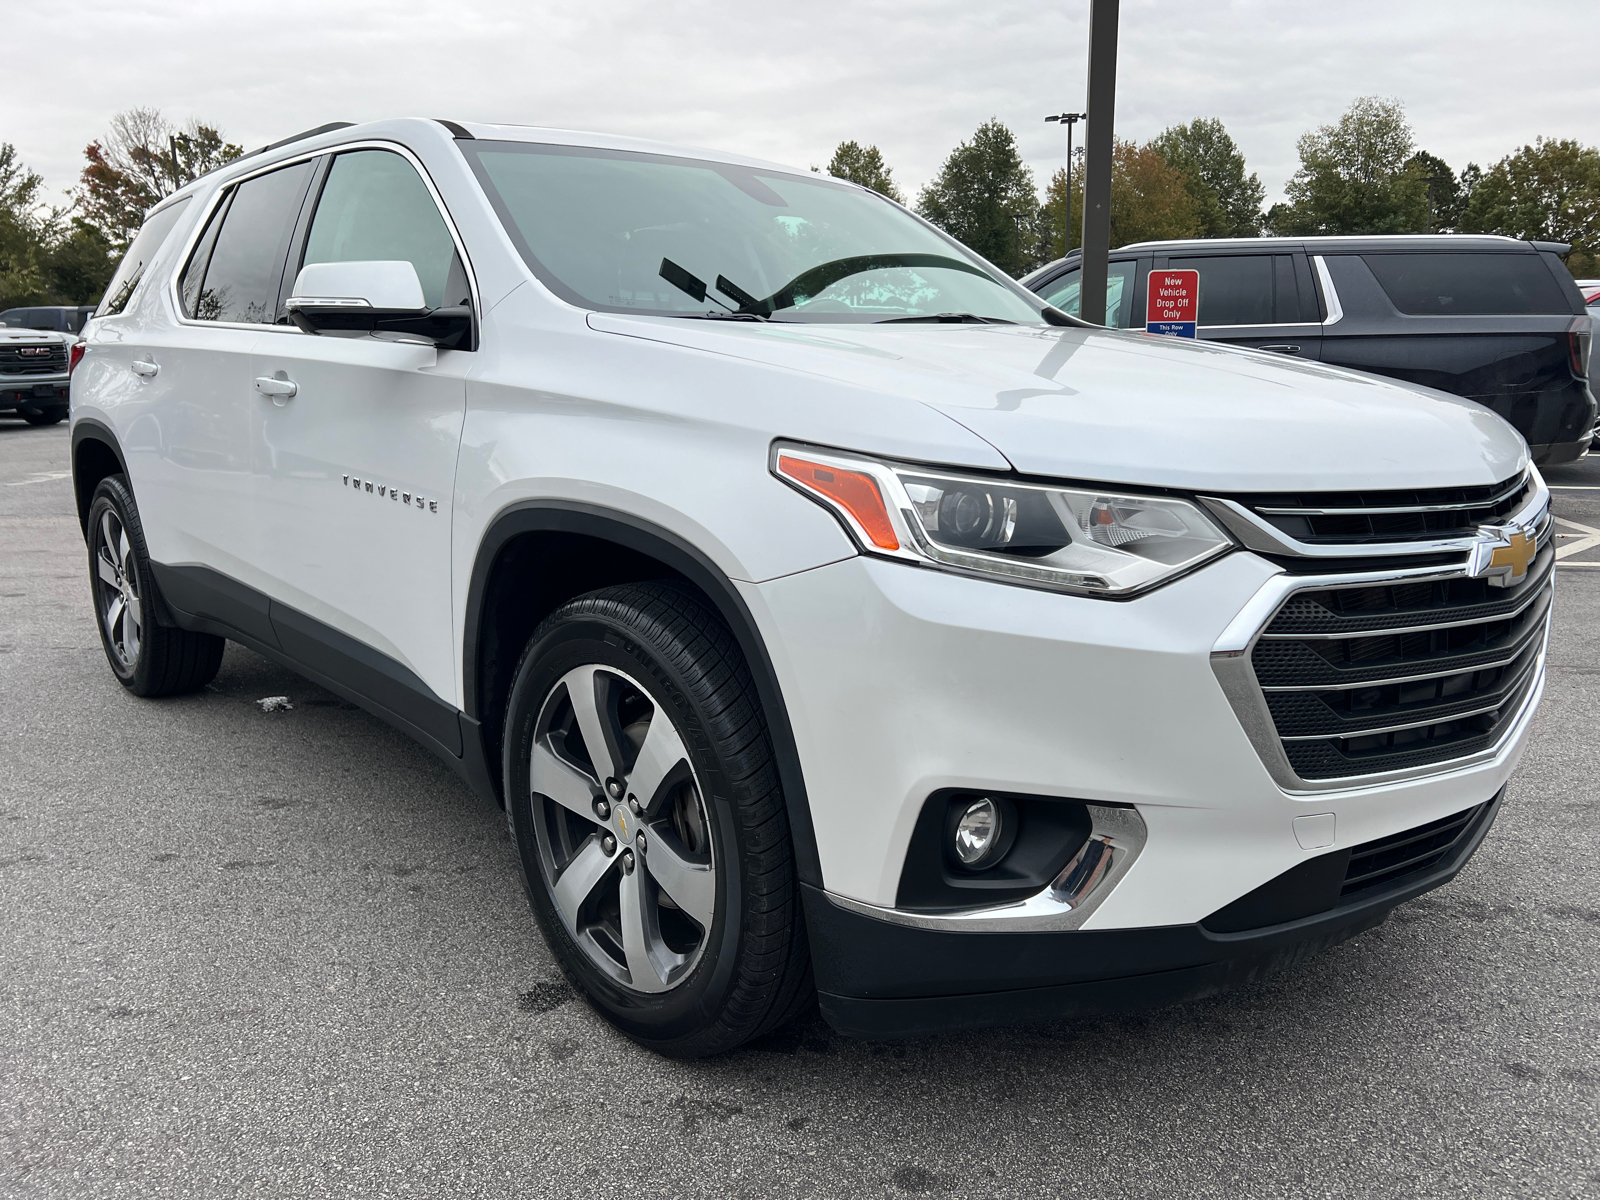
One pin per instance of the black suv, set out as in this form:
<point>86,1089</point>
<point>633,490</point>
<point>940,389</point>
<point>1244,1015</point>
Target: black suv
<point>1494,319</point>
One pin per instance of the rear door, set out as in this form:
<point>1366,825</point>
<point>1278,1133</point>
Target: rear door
<point>194,376</point>
<point>1256,299</point>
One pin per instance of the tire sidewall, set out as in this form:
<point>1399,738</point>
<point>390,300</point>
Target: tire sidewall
<point>113,494</point>
<point>568,641</point>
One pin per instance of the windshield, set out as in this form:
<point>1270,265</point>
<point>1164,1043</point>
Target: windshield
<point>648,233</point>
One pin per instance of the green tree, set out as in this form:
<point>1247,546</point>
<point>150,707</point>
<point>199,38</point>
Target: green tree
<point>24,231</point>
<point>864,166</point>
<point>1549,191</point>
<point>142,159</point>
<point>1354,178</point>
<point>1446,200</point>
<point>79,264</point>
<point>984,197</point>
<point>1228,200</point>
<point>1150,201</point>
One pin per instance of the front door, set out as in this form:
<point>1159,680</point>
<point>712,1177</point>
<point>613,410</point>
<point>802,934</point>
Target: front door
<point>354,471</point>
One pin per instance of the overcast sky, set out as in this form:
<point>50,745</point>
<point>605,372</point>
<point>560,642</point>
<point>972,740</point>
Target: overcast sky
<point>788,82</point>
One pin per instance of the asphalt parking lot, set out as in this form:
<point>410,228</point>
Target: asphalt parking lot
<point>251,953</point>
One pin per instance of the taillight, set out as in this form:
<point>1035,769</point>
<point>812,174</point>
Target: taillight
<point>75,356</point>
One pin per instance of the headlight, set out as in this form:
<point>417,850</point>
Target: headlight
<point>1098,543</point>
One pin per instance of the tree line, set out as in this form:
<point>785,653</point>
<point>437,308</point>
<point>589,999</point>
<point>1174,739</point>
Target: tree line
<point>1363,174</point>
<point>66,255</point>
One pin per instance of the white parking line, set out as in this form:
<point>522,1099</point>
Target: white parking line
<point>1589,540</point>
<point>41,477</point>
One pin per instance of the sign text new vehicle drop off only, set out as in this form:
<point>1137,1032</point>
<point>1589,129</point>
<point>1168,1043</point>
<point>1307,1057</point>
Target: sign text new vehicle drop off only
<point>1173,307</point>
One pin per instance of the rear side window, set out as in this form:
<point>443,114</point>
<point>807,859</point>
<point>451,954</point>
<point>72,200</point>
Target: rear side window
<point>1465,284</point>
<point>149,240</point>
<point>375,207</point>
<point>1063,293</point>
<point>236,270</point>
<point>1235,289</point>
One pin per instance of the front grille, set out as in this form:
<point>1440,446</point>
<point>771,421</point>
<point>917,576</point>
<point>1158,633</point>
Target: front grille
<point>1388,864</point>
<point>1369,518</point>
<point>1367,679</point>
<point>14,362</point>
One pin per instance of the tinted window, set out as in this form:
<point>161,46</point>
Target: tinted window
<point>240,281</point>
<point>1468,284</point>
<point>600,227</point>
<point>1234,290</point>
<point>143,248</point>
<point>374,206</point>
<point>1063,293</point>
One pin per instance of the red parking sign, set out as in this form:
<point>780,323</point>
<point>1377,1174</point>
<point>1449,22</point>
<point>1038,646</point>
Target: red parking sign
<point>1172,305</point>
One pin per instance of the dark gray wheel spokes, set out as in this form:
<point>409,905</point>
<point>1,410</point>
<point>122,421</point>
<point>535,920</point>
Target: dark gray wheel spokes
<point>624,843</point>
<point>117,585</point>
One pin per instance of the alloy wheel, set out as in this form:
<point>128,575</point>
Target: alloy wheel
<point>624,843</point>
<point>117,585</point>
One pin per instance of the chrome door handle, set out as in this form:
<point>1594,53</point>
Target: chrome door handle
<point>277,386</point>
<point>144,368</point>
<point>1280,349</point>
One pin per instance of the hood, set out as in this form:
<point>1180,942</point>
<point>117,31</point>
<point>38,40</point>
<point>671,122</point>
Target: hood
<point>10,335</point>
<point>1112,406</point>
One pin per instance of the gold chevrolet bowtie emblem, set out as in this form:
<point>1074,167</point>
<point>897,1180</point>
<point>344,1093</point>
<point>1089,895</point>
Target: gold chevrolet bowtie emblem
<point>1502,555</point>
<point>622,824</point>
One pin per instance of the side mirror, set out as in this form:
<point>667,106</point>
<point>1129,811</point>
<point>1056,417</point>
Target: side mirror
<point>374,297</point>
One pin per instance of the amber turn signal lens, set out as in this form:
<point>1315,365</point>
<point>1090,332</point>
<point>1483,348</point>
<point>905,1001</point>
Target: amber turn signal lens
<point>854,491</point>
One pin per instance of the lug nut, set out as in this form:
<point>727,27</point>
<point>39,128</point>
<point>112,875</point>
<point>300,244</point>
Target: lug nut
<point>627,862</point>
<point>614,786</point>
<point>633,805</point>
<point>608,844</point>
<point>639,842</point>
<point>602,810</point>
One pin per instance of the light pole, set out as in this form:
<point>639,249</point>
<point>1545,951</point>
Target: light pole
<point>1068,120</point>
<point>1097,159</point>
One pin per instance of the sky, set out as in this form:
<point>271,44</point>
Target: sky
<point>1479,78</point>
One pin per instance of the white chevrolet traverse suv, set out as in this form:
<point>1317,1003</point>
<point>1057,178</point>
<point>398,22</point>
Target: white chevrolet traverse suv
<point>832,618</point>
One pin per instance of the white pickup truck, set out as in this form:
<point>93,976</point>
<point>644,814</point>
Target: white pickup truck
<point>34,365</point>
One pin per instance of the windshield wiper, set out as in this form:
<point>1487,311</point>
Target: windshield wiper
<point>750,309</point>
<point>946,319</point>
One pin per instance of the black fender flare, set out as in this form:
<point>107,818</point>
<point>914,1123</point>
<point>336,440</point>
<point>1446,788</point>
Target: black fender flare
<point>645,537</point>
<point>91,429</point>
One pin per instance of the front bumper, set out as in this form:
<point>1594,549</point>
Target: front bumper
<point>880,980</point>
<point>902,682</point>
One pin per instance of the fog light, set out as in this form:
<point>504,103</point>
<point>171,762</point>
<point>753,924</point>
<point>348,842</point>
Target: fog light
<point>978,833</point>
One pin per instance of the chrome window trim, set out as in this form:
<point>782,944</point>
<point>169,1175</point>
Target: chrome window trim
<point>1116,837</point>
<point>1310,326</point>
<point>1259,534</point>
<point>1231,664</point>
<point>1330,294</point>
<point>1521,482</point>
<point>226,185</point>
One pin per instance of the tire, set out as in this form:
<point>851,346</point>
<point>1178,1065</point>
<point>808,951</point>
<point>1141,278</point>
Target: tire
<point>50,416</point>
<point>696,942</point>
<point>148,658</point>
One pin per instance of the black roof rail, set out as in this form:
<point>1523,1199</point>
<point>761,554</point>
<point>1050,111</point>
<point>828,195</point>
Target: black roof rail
<point>456,131</point>
<point>328,128</point>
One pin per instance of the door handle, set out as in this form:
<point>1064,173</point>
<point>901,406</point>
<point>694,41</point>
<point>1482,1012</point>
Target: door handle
<point>144,368</point>
<point>1280,349</point>
<point>280,387</point>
